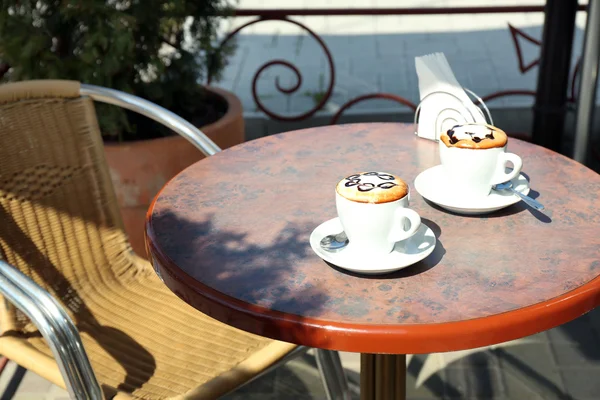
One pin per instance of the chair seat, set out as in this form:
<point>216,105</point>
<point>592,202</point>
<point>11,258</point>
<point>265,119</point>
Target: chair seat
<point>144,341</point>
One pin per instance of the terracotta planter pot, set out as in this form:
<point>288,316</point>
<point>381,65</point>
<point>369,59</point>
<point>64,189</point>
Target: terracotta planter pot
<point>139,169</point>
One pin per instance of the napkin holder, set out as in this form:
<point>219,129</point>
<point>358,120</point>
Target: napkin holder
<point>443,110</point>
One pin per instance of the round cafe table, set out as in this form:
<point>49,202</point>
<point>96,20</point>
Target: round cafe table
<point>229,235</point>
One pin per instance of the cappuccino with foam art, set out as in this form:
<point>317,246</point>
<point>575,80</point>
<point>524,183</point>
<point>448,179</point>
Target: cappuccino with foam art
<point>373,210</point>
<point>372,187</point>
<point>474,136</point>
<point>474,158</point>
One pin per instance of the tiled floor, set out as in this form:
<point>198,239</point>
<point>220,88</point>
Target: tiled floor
<point>560,364</point>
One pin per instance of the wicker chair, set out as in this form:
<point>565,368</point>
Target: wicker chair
<point>90,315</point>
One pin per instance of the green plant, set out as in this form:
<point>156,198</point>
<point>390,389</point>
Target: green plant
<point>318,96</point>
<point>156,49</point>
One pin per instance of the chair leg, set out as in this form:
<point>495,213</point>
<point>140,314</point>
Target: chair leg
<point>332,374</point>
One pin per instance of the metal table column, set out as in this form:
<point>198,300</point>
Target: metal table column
<point>589,80</point>
<point>553,78</point>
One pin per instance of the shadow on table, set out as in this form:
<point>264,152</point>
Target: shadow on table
<point>541,216</point>
<point>510,210</point>
<point>241,262</point>
<point>252,270</point>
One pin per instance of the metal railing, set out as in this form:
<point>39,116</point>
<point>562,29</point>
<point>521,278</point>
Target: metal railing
<point>285,15</point>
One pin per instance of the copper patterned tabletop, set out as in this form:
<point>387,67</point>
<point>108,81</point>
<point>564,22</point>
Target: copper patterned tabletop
<point>229,235</point>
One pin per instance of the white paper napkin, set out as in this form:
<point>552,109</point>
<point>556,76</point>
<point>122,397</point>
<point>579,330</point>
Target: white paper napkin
<point>444,103</point>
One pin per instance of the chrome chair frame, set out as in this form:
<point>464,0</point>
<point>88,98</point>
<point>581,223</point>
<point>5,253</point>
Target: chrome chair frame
<point>152,111</point>
<point>58,329</point>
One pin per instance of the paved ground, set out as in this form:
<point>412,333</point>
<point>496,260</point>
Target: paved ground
<point>376,53</point>
<point>563,363</point>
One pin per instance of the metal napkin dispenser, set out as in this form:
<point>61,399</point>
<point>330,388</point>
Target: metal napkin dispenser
<point>444,102</point>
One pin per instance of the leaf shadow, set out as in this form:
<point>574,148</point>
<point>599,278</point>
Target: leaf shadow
<point>259,278</point>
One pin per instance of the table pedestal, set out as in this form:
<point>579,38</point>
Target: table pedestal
<point>382,376</point>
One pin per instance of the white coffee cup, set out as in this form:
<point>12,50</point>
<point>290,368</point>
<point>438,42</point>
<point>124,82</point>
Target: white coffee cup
<point>376,227</point>
<point>473,171</point>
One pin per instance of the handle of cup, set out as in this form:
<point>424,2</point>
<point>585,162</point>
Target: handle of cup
<point>398,233</point>
<point>502,160</point>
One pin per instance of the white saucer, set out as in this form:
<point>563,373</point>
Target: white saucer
<point>432,185</point>
<point>405,253</point>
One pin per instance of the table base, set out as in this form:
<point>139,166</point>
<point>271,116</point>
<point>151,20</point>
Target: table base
<point>382,376</point>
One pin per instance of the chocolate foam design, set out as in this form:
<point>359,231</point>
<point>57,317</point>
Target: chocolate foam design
<point>355,180</point>
<point>475,137</point>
